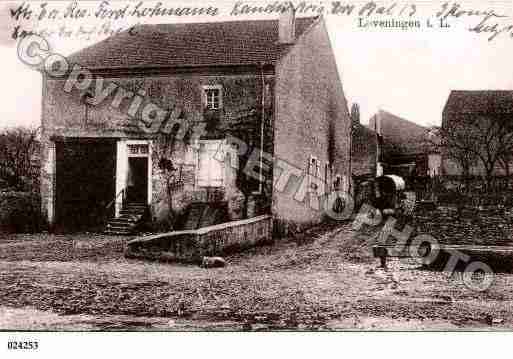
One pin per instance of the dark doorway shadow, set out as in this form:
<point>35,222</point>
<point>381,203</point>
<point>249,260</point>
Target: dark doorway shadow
<point>137,189</point>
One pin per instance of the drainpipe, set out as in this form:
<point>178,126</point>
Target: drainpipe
<point>350,179</point>
<point>378,144</point>
<point>262,124</point>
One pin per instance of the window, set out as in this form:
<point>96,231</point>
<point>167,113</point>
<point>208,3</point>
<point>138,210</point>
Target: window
<point>315,167</point>
<point>213,97</point>
<point>337,183</point>
<point>314,170</point>
<point>341,183</point>
<point>210,172</point>
<point>137,149</point>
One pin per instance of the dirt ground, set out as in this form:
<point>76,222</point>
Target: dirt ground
<point>325,280</point>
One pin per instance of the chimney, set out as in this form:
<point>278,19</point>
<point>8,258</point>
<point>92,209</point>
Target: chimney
<point>287,25</point>
<point>377,122</point>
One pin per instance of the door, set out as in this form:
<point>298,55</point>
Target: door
<point>137,189</point>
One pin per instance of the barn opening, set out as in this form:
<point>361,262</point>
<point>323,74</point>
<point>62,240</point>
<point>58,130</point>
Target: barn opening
<point>85,183</point>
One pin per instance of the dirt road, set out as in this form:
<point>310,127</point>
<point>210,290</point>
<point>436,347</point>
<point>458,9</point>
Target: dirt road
<point>325,280</point>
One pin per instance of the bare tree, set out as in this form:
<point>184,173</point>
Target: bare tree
<point>19,151</point>
<point>479,139</point>
<point>456,148</point>
<point>505,162</point>
<point>164,152</point>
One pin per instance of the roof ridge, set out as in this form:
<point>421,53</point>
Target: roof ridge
<point>485,90</point>
<point>227,21</point>
<point>193,43</point>
<point>400,117</point>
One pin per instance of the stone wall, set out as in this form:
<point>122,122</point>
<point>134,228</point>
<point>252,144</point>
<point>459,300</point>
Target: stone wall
<point>191,246</point>
<point>470,225</point>
<point>64,116</point>
<point>64,113</point>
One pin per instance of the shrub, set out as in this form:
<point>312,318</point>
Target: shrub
<point>20,212</point>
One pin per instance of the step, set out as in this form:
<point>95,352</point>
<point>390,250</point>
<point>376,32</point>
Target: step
<point>133,209</point>
<point>126,221</point>
<point>139,210</point>
<point>119,228</point>
<point>142,208</point>
<point>130,213</point>
<point>122,224</point>
<point>117,233</point>
<point>130,217</point>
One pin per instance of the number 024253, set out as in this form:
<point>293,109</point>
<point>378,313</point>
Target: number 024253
<point>22,345</point>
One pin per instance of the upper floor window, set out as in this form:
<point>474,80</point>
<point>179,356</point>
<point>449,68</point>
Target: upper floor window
<point>213,97</point>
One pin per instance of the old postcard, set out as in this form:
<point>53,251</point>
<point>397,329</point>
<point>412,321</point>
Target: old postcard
<point>255,166</point>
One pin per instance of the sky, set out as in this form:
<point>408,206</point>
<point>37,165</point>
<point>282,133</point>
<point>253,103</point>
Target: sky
<point>406,72</point>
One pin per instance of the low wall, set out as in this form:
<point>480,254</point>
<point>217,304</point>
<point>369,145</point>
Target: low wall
<point>192,245</point>
<point>456,190</point>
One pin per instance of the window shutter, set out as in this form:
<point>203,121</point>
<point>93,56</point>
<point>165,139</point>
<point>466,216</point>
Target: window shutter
<point>210,169</point>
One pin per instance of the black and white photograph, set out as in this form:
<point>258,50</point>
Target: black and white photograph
<point>255,167</point>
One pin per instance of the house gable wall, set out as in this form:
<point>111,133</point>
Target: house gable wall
<point>310,107</point>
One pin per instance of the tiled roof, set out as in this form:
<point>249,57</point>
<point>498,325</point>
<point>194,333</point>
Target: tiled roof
<point>400,136</point>
<point>192,44</point>
<point>480,102</point>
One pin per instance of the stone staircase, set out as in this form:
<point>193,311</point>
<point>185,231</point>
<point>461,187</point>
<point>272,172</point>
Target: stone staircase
<point>199,215</point>
<point>130,217</point>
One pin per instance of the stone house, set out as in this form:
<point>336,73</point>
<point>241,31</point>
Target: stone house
<point>209,122</point>
<point>364,160</point>
<point>405,147</point>
<point>364,152</point>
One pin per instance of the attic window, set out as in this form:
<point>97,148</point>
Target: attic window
<point>213,97</point>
